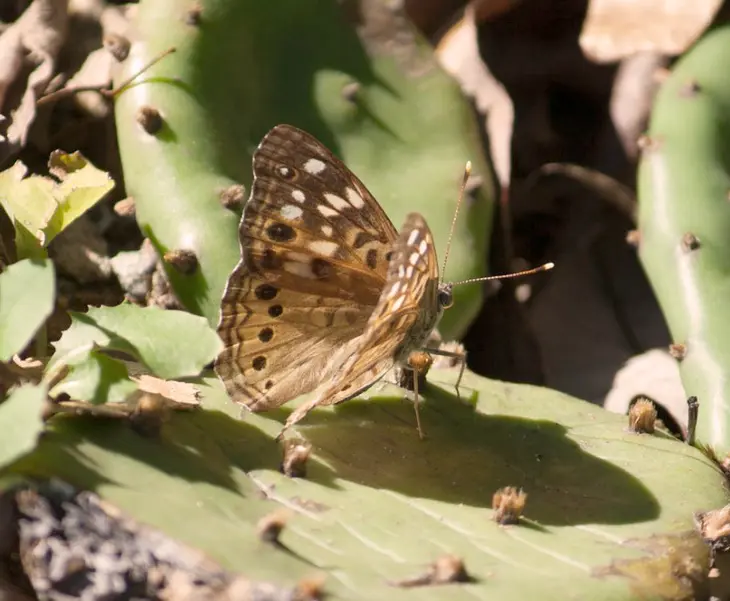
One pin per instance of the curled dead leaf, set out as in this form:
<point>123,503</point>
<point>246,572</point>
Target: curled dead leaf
<point>458,53</point>
<point>616,29</point>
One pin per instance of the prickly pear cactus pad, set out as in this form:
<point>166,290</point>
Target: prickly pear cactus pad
<point>187,127</point>
<point>684,220</point>
<point>608,513</point>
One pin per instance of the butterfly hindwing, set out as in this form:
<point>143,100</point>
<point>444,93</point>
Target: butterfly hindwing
<point>406,313</point>
<point>269,333</point>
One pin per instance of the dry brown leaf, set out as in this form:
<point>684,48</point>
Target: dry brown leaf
<point>96,63</point>
<point>19,371</point>
<point>34,42</point>
<point>632,97</point>
<point>95,72</point>
<point>615,29</point>
<point>179,393</point>
<point>458,53</point>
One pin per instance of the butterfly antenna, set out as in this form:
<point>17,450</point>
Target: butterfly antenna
<point>467,173</point>
<point>505,276</point>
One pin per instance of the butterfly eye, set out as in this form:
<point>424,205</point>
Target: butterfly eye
<point>446,299</point>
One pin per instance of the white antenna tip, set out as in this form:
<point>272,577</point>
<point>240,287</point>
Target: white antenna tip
<point>549,265</point>
<point>468,167</point>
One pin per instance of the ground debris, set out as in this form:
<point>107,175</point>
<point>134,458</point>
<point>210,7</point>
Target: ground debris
<point>31,43</point>
<point>508,504</point>
<point>72,544</point>
<point>445,570</point>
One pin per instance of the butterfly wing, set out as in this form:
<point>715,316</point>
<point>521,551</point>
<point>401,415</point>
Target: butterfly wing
<point>314,254</point>
<point>405,314</point>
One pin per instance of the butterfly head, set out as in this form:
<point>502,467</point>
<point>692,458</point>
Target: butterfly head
<point>445,295</point>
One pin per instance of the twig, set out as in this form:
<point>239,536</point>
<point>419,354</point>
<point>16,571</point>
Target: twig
<point>129,80</point>
<point>693,407</point>
<point>65,92</point>
<point>101,89</point>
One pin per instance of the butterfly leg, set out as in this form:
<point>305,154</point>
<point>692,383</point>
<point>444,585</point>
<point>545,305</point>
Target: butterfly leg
<point>408,377</point>
<point>416,405</point>
<point>298,414</point>
<point>418,364</point>
<point>460,357</point>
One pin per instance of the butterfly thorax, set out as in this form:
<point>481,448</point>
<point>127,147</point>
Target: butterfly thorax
<point>436,298</point>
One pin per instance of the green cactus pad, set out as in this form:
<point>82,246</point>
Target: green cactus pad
<point>608,513</point>
<point>684,220</point>
<point>241,67</point>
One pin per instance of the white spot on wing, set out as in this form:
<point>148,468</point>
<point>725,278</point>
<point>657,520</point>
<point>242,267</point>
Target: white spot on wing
<point>414,258</point>
<point>324,247</point>
<point>301,269</point>
<point>327,230</point>
<point>336,201</point>
<point>401,271</point>
<point>291,212</point>
<point>314,166</point>
<point>409,271</point>
<point>398,303</point>
<point>423,247</point>
<point>354,198</point>
<point>300,257</point>
<point>394,290</point>
<point>284,171</point>
<point>413,237</point>
<point>327,211</point>
<point>298,195</point>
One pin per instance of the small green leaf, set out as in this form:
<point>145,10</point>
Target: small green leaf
<point>82,186</point>
<point>172,344</point>
<point>27,291</point>
<point>27,245</point>
<point>28,200</point>
<point>96,378</point>
<point>44,206</point>
<point>20,422</point>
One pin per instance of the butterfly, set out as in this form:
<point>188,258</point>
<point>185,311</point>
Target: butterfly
<point>328,296</point>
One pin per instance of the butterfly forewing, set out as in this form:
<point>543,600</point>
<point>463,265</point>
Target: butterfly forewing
<point>406,312</point>
<point>314,246</point>
<point>296,172</point>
